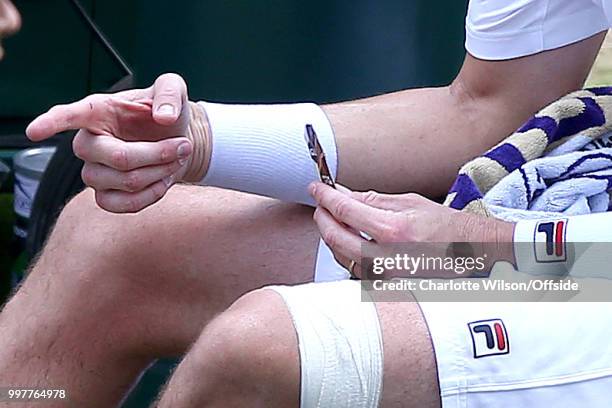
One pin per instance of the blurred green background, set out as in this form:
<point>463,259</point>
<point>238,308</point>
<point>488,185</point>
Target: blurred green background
<point>233,51</point>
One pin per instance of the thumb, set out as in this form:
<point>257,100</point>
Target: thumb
<point>169,95</point>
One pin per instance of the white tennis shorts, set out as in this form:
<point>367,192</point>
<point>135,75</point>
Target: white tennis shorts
<point>502,355</point>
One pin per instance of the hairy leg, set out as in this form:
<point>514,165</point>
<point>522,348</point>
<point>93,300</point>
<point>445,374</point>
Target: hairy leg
<point>248,356</point>
<point>112,292</point>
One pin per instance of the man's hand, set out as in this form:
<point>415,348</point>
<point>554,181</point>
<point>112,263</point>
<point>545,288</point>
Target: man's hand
<point>397,218</point>
<point>133,143</point>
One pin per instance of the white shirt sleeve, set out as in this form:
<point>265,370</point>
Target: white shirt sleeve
<point>505,29</point>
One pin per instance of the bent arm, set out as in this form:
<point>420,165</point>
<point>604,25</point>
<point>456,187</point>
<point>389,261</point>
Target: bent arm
<point>416,140</point>
<point>413,140</point>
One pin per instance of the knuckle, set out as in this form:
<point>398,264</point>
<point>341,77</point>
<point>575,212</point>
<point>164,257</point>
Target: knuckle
<point>94,99</point>
<point>69,117</point>
<point>99,97</point>
<point>106,102</point>
<point>165,153</point>
<point>104,201</point>
<point>132,205</point>
<point>391,232</point>
<point>119,159</point>
<point>132,181</point>
<point>370,197</point>
<point>330,237</point>
<point>88,175</point>
<point>158,189</point>
<point>78,146</point>
<point>342,208</point>
<point>412,198</point>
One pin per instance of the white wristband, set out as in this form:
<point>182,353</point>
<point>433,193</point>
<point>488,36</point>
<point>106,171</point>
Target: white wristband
<point>540,247</point>
<point>261,149</point>
<point>576,245</point>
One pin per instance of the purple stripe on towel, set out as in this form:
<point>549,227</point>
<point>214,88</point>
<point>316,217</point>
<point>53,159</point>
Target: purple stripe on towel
<point>466,192</point>
<point>547,124</point>
<point>527,186</point>
<point>508,156</point>
<point>602,90</point>
<point>597,177</point>
<point>581,161</point>
<point>592,116</point>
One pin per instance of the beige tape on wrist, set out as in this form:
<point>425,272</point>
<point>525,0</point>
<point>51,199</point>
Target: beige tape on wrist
<point>201,137</point>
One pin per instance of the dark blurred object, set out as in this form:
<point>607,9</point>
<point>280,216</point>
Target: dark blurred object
<point>29,165</point>
<point>4,172</point>
<point>61,181</point>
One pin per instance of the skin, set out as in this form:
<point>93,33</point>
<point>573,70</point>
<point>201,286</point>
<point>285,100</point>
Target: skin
<point>398,218</point>
<point>94,312</point>
<point>487,101</point>
<point>10,21</point>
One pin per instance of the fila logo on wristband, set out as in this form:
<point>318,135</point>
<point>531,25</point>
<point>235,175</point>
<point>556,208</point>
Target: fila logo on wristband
<point>549,239</point>
<point>489,338</point>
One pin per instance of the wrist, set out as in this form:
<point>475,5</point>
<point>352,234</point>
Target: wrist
<point>503,237</point>
<point>200,135</point>
<point>260,149</point>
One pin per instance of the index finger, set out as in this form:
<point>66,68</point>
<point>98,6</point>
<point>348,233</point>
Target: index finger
<point>362,217</point>
<point>60,118</point>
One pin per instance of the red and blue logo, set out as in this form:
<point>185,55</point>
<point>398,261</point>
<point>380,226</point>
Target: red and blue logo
<point>489,338</point>
<point>550,242</point>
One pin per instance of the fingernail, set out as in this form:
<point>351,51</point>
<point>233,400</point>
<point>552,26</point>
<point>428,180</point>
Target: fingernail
<point>168,181</point>
<point>182,162</point>
<point>166,110</point>
<point>183,150</point>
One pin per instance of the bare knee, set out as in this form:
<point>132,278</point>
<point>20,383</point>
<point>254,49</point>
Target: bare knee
<point>84,230</point>
<point>86,253</point>
<point>250,352</point>
<point>253,339</point>
<point>105,245</point>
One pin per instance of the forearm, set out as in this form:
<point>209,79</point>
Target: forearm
<point>416,140</point>
<point>412,140</point>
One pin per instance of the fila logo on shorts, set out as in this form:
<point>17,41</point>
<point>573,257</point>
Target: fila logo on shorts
<point>489,338</point>
<point>550,244</point>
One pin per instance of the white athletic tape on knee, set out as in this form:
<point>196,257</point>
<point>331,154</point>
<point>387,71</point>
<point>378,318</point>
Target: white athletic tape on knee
<point>260,149</point>
<point>340,341</point>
